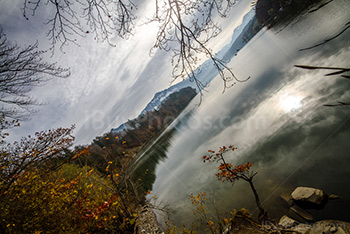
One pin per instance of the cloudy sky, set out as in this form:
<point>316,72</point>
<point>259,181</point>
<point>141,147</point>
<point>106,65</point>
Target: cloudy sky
<point>108,85</point>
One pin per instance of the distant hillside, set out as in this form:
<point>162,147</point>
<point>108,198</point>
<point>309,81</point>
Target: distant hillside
<point>171,101</point>
<point>147,125</point>
<point>251,29</point>
<point>278,13</point>
<point>138,131</point>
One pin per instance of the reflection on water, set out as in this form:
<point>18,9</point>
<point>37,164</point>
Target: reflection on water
<point>277,120</point>
<point>145,167</point>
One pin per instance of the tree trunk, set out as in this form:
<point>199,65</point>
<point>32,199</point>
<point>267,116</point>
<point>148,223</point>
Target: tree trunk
<point>262,212</point>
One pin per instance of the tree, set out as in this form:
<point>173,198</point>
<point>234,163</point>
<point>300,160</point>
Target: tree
<point>228,172</point>
<point>185,28</point>
<point>31,152</point>
<point>100,17</point>
<point>20,70</point>
<point>42,191</point>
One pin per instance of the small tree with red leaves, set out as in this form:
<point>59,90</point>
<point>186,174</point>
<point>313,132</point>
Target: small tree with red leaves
<point>231,173</point>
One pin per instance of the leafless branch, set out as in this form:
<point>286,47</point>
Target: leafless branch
<point>72,18</point>
<point>185,28</point>
<point>338,71</point>
<point>347,26</point>
<point>20,70</point>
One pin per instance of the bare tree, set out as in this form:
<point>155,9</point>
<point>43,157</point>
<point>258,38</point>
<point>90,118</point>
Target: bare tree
<point>185,29</point>
<point>20,70</point>
<point>69,19</point>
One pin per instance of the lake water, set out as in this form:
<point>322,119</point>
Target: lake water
<point>277,120</point>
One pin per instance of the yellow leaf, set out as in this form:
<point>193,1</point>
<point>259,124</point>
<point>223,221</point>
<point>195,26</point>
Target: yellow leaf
<point>89,173</point>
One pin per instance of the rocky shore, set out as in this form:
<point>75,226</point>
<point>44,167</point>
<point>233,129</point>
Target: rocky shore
<point>299,201</point>
<point>298,220</point>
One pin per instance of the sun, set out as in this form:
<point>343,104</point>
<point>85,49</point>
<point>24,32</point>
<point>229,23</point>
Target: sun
<point>289,103</point>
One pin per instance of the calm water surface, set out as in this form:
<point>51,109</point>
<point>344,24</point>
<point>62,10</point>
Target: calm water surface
<point>277,120</point>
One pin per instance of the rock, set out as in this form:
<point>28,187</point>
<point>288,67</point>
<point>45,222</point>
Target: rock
<point>310,195</point>
<point>302,228</point>
<point>286,222</point>
<point>146,222</point>
<point>329,227</point>
<point>334,197</point>
<point>301,212</point>
<point>286,198</point>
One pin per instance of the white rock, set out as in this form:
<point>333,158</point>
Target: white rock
<point>307,194</point>
<point>287,222</point>
<point>302,228</point>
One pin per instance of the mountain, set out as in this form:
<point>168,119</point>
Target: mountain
<point>173,102</point>
<point>161,96</point>
<point>152,122</point>
<point>207,71</point>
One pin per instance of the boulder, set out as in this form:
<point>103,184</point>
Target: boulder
<point>301,213</point>
<point>287,199</point>
<point>309,195</point>
<point>286,222</point>
<point>302,228</point>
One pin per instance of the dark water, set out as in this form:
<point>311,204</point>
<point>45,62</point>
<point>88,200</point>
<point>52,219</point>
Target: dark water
<point>277,120</point>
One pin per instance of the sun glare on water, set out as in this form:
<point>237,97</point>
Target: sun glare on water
<point>289,103</point>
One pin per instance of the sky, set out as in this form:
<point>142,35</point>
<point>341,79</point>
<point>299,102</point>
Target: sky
<point>108,85</point>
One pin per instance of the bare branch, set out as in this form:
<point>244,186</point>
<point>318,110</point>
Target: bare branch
<point>20,70</point>
<point>339,70</point>
<point>347,26</point>
<point>103,18</point>
<point>185,29</point>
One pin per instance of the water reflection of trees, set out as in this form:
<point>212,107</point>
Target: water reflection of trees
<point>145,167</point>
<point>280,13</point>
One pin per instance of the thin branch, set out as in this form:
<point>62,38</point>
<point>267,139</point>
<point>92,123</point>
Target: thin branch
<point>21,69</point>
<point>347,26</point>
<point>185,29</point>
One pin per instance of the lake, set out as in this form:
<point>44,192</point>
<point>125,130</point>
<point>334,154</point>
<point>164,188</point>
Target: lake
<point>276,119</point>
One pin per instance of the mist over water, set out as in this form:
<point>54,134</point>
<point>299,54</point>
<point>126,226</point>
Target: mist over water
<point>277,120</point>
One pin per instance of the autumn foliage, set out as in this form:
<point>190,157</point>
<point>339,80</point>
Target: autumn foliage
<point>44,188</point>
<point>231,173</point>
<point>228,172</point>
